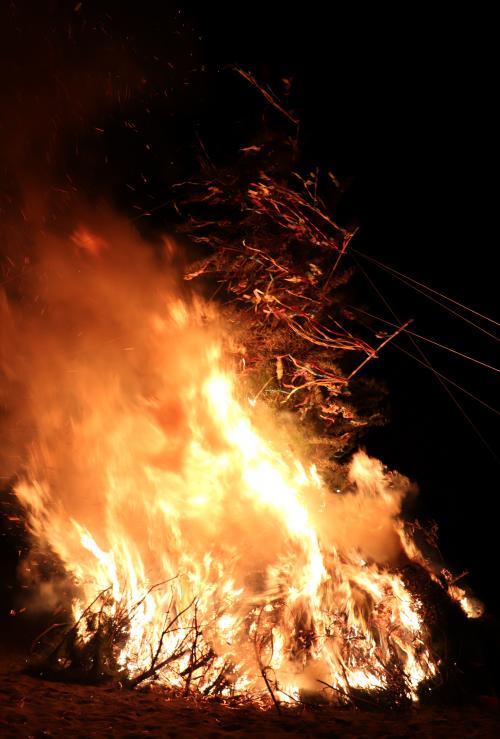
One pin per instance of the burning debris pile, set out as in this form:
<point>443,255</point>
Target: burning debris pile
<point>198,538</point>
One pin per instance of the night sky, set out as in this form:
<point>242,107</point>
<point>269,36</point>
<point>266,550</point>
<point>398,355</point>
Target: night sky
<point>115,99</point>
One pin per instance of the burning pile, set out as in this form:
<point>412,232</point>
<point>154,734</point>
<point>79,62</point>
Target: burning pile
<point>198,546</point>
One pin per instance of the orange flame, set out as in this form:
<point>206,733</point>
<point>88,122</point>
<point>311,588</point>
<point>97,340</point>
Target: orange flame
<point>152,479</point>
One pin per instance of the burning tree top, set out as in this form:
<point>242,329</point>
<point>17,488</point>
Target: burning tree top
<point>275,263</point>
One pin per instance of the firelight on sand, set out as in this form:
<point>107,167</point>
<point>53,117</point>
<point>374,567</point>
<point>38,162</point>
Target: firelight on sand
<point>184,513</point>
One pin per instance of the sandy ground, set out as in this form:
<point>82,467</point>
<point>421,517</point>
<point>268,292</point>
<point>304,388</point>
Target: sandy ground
<point>30,707</point>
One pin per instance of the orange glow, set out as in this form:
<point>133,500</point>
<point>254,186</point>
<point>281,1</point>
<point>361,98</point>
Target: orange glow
<point>150,474</point>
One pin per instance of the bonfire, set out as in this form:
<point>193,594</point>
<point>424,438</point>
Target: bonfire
<point>193,475</point>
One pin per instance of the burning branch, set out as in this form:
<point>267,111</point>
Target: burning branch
<point>180,651</point>
<point>261,641</point>
<point>269,96</point>
<point>87,651</point>
<point>381,346</point>
<point>271,243</point>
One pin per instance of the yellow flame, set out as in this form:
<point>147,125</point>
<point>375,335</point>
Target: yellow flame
<point>153,480</point>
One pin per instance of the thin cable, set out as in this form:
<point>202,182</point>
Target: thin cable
<point>430,341</point>
<point>429,366</point>
<point>426,287</point>
<point>452,382</point>
<point>429,297</point>
<point>440,374</point>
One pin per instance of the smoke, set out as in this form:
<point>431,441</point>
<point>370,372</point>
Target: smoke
<point>365,517</point>
<point>103,368</point>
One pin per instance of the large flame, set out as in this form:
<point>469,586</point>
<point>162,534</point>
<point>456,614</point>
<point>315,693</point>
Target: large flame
<point>153,480</point>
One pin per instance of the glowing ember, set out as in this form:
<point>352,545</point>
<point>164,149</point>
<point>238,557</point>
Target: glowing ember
<point>185,515</point>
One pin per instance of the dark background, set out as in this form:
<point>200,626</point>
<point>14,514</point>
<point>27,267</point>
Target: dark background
<point>111,100</point>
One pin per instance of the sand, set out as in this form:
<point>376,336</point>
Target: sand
<point>31,707</point>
